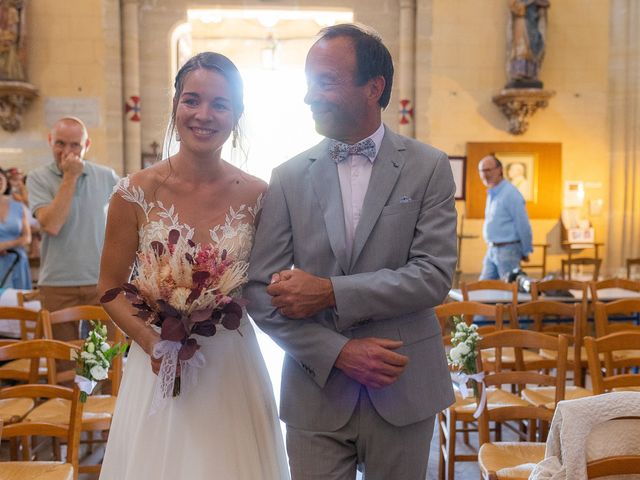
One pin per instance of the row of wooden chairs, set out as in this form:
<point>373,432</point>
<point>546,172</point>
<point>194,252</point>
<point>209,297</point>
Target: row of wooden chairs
<point>68,430</point>
<point>567,264</point>
<point>539,310</point>
<point>502,460</point>
<point>98,410</point>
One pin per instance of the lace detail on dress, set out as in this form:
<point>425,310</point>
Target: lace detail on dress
<point>235,234</point>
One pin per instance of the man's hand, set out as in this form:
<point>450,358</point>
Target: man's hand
<point>372,361</point>
<point>298,294</point>
<point>525,258</point>
<point>71,165</point>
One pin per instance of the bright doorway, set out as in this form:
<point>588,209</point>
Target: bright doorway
<point>269,47</point>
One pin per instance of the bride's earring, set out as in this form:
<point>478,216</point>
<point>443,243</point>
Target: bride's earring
<point>234,139</point>
<point>177,136</point>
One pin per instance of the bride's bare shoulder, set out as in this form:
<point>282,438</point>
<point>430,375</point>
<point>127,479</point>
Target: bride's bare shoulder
<point>151,177</point>
<point>250,187</point>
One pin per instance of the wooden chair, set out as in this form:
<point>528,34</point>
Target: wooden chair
<point>543,259</point>
<point>501,460</point>
<point>545,315</point>
<point>616,465</point>
<point>631,262</point>
<point>568,264</point>
<point>615,317</point>
<point>463,408</point>
<point>542,311</point>
<point>622,283</point>
<point>605,311</point>
<point>98,410</point>
<point>548,287</point>
<point>25,297</point>
<point>69,430</point>
<point>30,325</point>
<point>13,410</point>
<point>607,347</point>
<point>510,288</point>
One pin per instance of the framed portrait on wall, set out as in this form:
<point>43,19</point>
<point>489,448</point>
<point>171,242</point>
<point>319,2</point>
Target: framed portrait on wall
<point>534,168</point>
<point>459,172</point>
<point>520,169</point>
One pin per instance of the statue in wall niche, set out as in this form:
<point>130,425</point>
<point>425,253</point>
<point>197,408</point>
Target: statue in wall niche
<point>11,67</point>
<point>526,44</point>
<point>16,94</point>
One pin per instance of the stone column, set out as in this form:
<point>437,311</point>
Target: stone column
<point>131,86</point>
<point>406,67</point>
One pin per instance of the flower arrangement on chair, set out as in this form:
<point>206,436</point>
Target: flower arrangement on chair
<point>94,360</point>
<point>462,356</point>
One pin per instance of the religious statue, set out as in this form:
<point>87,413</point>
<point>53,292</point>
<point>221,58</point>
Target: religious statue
<point>527,32</point>
<point>11,67</point>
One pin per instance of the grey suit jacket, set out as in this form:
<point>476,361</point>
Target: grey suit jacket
<point>401,266</point>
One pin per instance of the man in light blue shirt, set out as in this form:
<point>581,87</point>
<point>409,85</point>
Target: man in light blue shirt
<point>506,228</point>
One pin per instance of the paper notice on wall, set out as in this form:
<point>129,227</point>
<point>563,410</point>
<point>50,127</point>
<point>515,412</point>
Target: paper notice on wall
<point>86,109</point>
<point>573,193</point>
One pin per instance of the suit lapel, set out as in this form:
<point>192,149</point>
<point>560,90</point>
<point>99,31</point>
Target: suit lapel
<point>326,185</point>
<point>386,170</point>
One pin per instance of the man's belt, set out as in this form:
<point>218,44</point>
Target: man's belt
<point>503,244</point>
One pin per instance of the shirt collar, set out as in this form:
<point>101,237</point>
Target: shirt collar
<point>495,190</point>
<point>377,139</point>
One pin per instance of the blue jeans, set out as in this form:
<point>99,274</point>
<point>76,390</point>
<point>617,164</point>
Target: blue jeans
<point>499,261</point>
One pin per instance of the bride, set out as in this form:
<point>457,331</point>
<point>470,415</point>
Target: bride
<point>226,426</point>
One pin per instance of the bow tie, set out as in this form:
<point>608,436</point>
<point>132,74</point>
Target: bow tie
<point>339,151</point>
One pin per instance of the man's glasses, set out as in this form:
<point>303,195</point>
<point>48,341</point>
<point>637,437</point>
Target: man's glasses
<point>485,170</point>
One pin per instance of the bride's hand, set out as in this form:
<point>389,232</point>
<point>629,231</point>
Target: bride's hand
<point>156,362</point>
<point>148,345</point>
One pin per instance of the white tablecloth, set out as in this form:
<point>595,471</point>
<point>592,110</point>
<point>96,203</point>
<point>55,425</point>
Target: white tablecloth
<point>501,296</point>
<point>583,430</point>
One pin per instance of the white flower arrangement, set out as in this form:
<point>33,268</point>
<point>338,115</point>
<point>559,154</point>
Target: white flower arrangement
<point>94,359</point>
<point>462,356</point>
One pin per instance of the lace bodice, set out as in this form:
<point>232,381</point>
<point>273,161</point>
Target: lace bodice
<point>235,235</point>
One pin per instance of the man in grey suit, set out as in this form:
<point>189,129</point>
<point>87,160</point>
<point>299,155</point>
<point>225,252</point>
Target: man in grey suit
<point>369,227</point>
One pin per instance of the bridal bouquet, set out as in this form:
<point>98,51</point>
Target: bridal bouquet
<point>94,360</point>
<point>185,289</point>
<point>463,354</point>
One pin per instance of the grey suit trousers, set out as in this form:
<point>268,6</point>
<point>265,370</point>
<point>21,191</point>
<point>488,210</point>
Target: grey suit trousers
<point>365,438</point>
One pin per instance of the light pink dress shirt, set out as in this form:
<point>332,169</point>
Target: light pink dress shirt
<point>354,173</point>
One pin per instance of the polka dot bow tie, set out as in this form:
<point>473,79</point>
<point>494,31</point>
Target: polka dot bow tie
<point>339,151</point>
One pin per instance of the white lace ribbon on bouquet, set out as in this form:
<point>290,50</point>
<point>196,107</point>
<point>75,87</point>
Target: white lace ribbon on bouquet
<point>461,379</point>
<point>84,384</point>
<point>163,390</point>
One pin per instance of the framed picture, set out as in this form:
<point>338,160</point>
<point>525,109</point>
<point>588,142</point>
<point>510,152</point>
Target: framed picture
<point>534,168</point>
<point>459,172</point>
<point>520,169</point>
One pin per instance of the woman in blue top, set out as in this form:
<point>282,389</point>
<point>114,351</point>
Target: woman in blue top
<point>15,234</point>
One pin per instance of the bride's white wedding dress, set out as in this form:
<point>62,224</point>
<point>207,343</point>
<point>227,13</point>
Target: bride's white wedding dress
<point>226,427</point>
